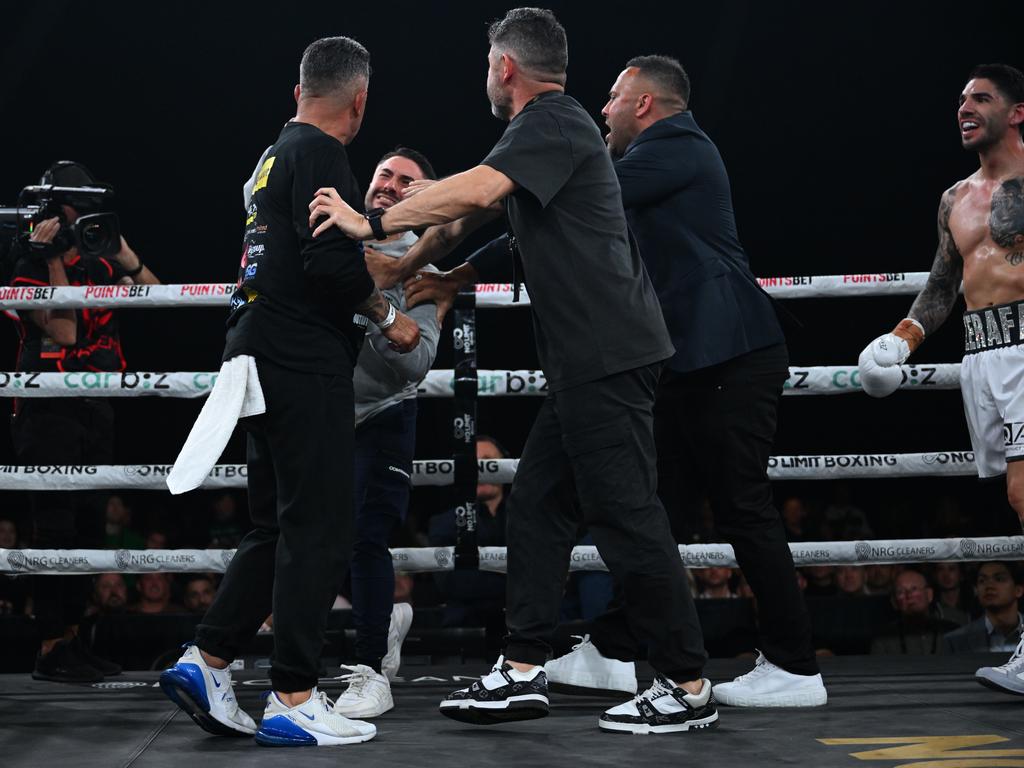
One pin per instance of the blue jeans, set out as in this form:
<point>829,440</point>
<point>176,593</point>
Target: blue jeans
<point>383,470</point>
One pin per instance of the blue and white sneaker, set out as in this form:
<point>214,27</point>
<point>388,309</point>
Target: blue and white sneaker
<point>309,724</point>
<point>205,694</point>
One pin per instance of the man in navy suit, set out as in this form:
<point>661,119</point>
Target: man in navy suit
<point>717,399</point>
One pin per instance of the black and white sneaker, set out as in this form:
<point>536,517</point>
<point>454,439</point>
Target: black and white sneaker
<point>503,696</point>
<point>663,708</point>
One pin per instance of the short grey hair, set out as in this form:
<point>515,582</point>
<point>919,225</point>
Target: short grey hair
<point>333,66</point>
<point>536,40</point>
<point>665,73</point>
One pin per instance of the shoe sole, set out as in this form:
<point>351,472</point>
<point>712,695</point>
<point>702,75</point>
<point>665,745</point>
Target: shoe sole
<point>512,711</point>
<point>581,690</point>
<point>179,694</point>
<point>273,740</point>
<point>993,685</point>
<point>815,699</point>
<point>642,729</point>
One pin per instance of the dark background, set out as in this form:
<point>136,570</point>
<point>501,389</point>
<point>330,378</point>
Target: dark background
<point>836,121</point>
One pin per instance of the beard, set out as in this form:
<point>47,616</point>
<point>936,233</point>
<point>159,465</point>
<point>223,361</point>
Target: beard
<point>501,104</point>
<point>985,137</point>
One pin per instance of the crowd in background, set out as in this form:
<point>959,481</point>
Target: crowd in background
<point>935,608</point>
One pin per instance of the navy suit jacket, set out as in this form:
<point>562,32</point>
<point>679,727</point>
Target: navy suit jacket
<point>678,204</point>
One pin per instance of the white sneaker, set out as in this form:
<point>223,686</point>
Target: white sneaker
<point>584,670</point>
<point>770,686</point>
<point>309,724</point>
<point>663,708</point>
<point>205,694</point>
<point>1008,677</point>
<point>401,620</point>
<point>368,693</point>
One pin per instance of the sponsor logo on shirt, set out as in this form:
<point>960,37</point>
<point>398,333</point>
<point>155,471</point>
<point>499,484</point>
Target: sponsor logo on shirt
<point>263,175</point>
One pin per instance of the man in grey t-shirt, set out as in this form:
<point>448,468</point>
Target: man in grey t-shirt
<point>385,382</point>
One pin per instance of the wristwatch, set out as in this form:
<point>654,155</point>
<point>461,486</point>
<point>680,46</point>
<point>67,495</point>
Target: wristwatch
<point>373,216</point>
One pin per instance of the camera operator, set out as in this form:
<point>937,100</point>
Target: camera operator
<point>69,430</point>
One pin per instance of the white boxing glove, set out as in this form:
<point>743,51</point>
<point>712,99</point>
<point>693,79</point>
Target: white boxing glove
<point>879,363</point>
<point>880,379</point>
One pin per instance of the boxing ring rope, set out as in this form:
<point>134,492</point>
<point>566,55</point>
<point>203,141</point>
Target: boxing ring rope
<point>441,472</point>
<point>807,380</point>
<point>803,380</point>
<point>488,295</point>
<point>493,559</point>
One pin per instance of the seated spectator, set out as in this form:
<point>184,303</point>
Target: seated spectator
<point>915,632</point>
<point>14,590</point>
<point>226,525</point>
<point>844,520</point>
<point>199,592</point>
<point>156,540</point>
<point>155,594</point>
<point>8,534</point>
<point>850,580</point>
<point>879,578</point>
<point>109,595</point>
<point>119,533</point>
<point>714,583</point>
<point>998,587</point>
<point>952,600</point>
<point>794,517</point>
<point>821,580</point>
<point>475,597</point>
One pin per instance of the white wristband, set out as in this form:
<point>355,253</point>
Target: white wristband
<point>388,321</point>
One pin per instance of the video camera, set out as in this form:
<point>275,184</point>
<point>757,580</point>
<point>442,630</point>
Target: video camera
<point>95,233</point>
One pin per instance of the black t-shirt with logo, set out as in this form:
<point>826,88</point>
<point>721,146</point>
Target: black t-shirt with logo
<point>98,347</point>
<point>296,295</point>
<point>594,308</point>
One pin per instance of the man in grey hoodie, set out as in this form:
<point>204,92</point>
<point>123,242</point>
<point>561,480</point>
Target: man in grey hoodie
<point>385,383</point>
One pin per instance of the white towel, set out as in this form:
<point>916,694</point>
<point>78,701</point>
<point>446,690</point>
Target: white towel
<point>235,395</point>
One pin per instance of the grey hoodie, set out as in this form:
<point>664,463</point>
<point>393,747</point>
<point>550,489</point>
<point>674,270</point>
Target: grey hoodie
<point>384,377</point>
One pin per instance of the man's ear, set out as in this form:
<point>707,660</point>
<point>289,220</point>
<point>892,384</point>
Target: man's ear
<point>297,92</point>
<point>644,103</point>
<point>1017,115</point>
<point>359,103</point>
<point>508,67</point>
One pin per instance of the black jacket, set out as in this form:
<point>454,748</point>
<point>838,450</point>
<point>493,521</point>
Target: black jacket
<point>679,206</point>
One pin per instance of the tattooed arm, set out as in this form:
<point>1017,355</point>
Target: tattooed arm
<point>399,329</point>
<point>879,363</point>
<point>932,306</point>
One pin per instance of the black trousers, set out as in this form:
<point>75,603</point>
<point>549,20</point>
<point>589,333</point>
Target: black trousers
<point>300,460</point>
<point>597,440</point>
<point>63,431</point>
<point>714,430</point>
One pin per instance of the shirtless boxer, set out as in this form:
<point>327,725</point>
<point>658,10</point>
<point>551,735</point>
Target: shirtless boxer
<point>981,241</point>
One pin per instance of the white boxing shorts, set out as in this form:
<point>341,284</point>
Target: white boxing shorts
<point>992,385</point>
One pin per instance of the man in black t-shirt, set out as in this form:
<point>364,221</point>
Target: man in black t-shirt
<point>293,313</point>
<point>61,431</point>
<point>601,340</point>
